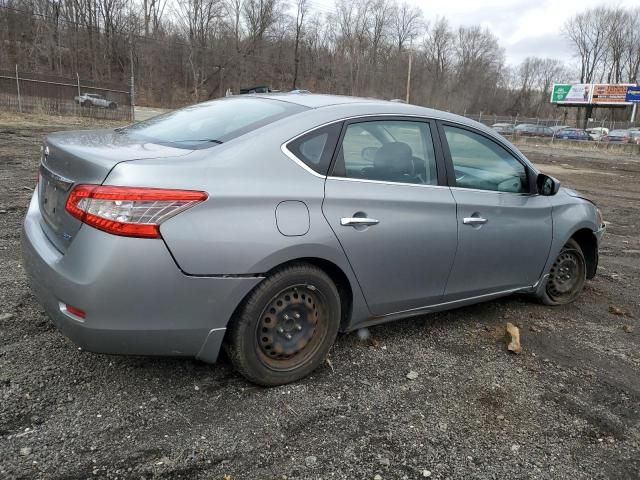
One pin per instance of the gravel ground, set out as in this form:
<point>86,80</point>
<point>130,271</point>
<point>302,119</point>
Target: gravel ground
<point>567,407</point>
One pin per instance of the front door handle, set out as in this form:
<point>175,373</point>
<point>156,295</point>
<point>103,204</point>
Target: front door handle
<point>474,221</point>
<point>358,221</point>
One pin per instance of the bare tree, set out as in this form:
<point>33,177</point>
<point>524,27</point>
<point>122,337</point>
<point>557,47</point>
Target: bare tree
<point>439,52</point>
<point>407,22</point>
<point>259,16</point>
<point>588,31</point>
<point>302,8</point>
<point>199,20</point>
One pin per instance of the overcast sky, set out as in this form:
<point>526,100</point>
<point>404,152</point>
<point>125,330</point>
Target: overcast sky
<point>524,27</point>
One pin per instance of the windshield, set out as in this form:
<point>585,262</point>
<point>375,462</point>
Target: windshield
<point>205,124</point>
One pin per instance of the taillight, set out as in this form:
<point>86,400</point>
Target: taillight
<point>129,211</point>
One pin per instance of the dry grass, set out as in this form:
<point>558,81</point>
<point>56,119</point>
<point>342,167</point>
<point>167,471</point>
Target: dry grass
<point>40,120</point>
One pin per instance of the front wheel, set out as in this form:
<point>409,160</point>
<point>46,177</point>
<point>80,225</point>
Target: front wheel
<point>286,326</point>
<point>567,276</point>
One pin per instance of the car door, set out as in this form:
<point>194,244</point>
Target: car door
<point>504,226</point>
<point>387,203</point>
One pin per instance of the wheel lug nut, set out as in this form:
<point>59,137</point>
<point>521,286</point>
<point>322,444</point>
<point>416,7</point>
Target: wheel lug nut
<point>296,315</point>
<point>298,327</point>
<point>280,330</point>
<point>288,336</point>
<point>285,316</point>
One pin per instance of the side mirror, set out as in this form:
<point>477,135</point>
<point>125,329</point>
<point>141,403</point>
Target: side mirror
<point>547,185</point>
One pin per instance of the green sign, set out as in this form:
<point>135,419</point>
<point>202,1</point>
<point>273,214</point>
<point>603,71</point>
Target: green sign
<point>577,93</point>
<point>560,92</point>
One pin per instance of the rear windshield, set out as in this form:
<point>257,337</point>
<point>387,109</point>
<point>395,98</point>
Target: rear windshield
<point>206,124</point>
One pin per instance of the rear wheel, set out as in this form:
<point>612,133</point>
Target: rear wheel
<point>286,326</point>
<point>567,276</point>
<point>86,103</point>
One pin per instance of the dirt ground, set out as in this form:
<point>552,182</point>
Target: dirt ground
<point>567,407</point>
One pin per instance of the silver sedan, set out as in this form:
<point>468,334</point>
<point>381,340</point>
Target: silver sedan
<point>266,224</point>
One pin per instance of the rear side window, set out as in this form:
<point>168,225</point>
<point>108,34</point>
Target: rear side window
<point>205,124</point>
<point>397,151</point>
<point>315,148</point>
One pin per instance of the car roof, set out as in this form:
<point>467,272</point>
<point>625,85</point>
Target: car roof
<point>315,100</point>
<point>373,105</point>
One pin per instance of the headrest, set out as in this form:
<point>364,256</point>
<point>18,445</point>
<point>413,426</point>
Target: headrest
<point>394,157</point>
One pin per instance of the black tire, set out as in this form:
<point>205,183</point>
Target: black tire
<point>567,276</point>
<point>264,341</point>
<point>86,103</point>
<point>112,106</point>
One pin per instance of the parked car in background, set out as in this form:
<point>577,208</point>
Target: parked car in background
<point>597,133</point>
<point>503,128</point>
<point>618,136</point>
<point>634,136</point>
<point>268,223</point>
<point>530,130</point>
<point>94,100</point>
<point>256,89</point>
<point>557,128</point>
<point>572,134</point>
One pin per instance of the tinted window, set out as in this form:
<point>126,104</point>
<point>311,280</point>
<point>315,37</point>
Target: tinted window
<point>483,164</point>
<point>316,148</point>
<point>207,123</point>
<point>391,151</point>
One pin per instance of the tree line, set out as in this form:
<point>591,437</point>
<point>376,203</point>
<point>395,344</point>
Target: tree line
<point>183,51</point>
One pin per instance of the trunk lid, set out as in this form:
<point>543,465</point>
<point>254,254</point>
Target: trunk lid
<point>72,158</point>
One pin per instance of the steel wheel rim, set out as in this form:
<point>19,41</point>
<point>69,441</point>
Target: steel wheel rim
<point>291,327</point>
<point>565,275</point>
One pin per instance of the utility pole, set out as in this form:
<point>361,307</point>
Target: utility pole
<point>220,87</point>
<point>634,109</point>
<point>133,86</point>
<point>18,88</point>
<point>132,91</point>
<point>409,74</point>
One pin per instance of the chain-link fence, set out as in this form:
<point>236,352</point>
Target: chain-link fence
<point>52,95</point>
<point>546,122</point>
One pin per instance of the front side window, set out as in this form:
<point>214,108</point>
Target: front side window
<point>388,150</point>
<point>482,164</point>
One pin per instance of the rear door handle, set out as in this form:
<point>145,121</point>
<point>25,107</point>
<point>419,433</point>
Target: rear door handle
<point>474,221</point>
<point>358,221</point>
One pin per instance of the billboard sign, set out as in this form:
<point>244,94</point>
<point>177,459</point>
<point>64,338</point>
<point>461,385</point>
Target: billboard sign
<point>608,94</point>
<point>576,94</point>
<point>633,94</point>
<point>599,94</point>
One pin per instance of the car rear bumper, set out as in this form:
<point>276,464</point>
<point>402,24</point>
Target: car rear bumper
<point>136,299</point>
